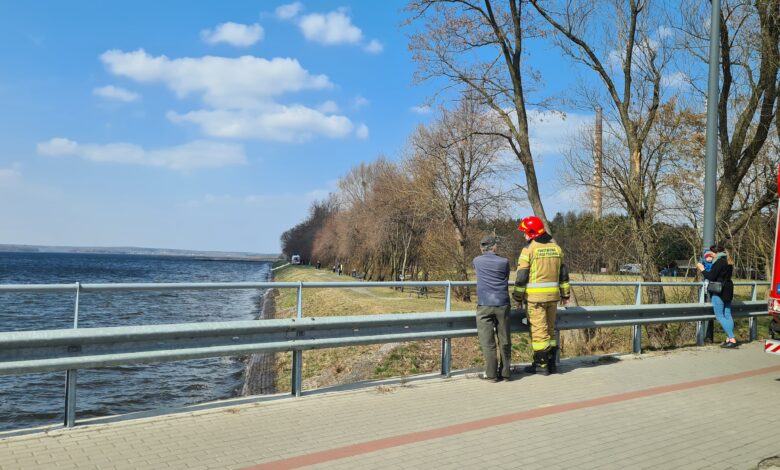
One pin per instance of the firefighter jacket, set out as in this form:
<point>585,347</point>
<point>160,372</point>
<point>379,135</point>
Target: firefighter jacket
<point>541,274</point>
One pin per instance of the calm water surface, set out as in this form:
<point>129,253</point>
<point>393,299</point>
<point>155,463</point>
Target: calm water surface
<point>37,399</point>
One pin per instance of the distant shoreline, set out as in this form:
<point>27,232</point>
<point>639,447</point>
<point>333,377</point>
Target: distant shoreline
<point>133,251</point>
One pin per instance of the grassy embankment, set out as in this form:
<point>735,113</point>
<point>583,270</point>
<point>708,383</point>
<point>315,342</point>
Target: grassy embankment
<point>350,364</point>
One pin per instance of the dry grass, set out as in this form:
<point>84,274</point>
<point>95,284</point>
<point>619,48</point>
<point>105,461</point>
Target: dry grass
<point>350,364</point>
<point>625,295</point>
<point>329,367</point>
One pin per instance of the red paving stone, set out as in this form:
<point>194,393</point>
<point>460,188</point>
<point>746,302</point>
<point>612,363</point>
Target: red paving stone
<point>415,437</point>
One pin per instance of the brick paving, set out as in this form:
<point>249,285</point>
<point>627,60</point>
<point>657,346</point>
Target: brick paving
<point>693,408</point>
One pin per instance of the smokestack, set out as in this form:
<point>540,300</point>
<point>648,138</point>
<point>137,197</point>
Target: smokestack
<point>597,179</point>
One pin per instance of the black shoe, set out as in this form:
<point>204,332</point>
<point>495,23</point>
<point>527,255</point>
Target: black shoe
<point>530,369</point>
<point>489,379</point>
<point>729,345</point>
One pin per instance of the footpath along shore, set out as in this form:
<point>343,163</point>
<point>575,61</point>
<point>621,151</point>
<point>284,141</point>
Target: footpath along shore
<point>695,408</point>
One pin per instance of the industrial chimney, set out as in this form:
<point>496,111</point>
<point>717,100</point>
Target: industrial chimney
<point>597,168</point>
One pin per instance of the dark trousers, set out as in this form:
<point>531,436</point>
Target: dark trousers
<point>493,322</point>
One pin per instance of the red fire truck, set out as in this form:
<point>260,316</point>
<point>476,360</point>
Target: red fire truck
<point>773,345</point>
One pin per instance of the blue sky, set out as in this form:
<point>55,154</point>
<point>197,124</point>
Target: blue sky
<point>206,125</point>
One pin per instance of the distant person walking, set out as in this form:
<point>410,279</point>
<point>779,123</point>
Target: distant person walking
<point>493,311</point>
<point>721,288</point>
<point>542,281</point>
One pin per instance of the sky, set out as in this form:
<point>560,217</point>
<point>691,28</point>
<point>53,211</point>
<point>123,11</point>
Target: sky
<point>209,125</point>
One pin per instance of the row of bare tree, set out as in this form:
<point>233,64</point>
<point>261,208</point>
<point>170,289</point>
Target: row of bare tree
<point>421,216</point>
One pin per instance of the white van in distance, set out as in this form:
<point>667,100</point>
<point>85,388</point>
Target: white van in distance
<point>630,269</point>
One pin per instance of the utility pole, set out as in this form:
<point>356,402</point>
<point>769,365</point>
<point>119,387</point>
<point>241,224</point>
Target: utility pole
<point>711,159</point>
<point>711,156</point>
<point>597,167</point>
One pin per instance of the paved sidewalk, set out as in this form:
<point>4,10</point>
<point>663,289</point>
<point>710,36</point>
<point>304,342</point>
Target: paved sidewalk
<point>696,408</point>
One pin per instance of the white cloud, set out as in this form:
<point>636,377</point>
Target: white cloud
<point>291,10</point>
<point>563,199</point>
<point>359,102</point>
<point>112,92</point>
<point>330,28</point>
<point>550,132</point>
<point>276,122</point>
<point>374,47</point>
<point>239,94</point>
<point>192,155</point>
<point>425,109</point>
<point>675,80</point>
<point>362,132</point>
<point>235,34</point>
<point>328,107</point>
<point>224,82</point>
<point>10,175</point>
<point>665,32</point>
<point>615,59</point>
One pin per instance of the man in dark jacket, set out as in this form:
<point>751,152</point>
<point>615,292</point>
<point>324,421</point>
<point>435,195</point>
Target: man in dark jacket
<point>493,311</point>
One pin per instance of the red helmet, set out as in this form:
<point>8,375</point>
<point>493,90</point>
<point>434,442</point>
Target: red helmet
<point>531,226</point>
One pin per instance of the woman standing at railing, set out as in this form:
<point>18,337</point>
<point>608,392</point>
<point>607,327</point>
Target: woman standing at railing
<point>721,290</point>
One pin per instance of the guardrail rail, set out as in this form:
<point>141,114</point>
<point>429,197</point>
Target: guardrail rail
<point>24,352</point>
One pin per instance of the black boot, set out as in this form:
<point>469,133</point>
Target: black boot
<point>539,366</point>
<point>552,366</point>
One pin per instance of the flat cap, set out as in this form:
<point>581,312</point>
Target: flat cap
<point>488,241</point>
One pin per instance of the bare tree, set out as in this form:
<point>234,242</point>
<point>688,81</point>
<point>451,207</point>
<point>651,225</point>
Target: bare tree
<point>749,95</point>
<point>619,34</point>
<point>458,157</point>
<point>479,45</point>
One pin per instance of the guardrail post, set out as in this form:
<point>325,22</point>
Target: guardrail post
<point>752,323</point>
<point>701,325</point>
<point>636,330</point>
<point>446,343</point>
<point>71,374</point>
<point>297,355</point>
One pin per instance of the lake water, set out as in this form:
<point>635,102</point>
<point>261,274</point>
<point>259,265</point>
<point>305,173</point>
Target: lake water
<point>38,399</point>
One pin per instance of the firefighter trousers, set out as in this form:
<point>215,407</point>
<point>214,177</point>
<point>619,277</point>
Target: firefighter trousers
<point>541,319</point>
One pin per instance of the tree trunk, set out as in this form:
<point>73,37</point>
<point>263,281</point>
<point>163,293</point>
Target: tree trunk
<point>463,293</point>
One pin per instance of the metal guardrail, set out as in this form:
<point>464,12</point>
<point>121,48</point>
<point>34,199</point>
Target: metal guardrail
<point>24,352</point>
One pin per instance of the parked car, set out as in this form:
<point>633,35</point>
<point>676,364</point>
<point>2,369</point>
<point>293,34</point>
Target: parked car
<point>630,269</point>
<point>296,259</point>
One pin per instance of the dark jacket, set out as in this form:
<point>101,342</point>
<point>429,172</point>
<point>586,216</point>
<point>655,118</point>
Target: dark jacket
<point>721,272</point>
<point>492,279</point>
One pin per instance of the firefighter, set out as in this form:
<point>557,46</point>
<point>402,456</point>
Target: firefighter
<point>542,282</point>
